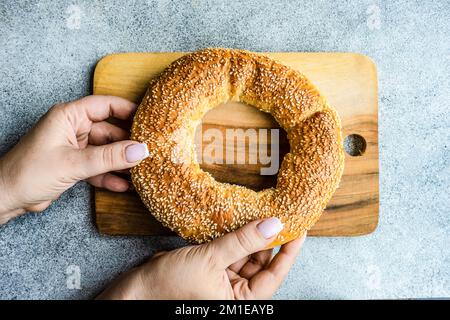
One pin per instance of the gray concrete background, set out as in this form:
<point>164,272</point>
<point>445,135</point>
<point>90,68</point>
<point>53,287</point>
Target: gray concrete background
<point>48,50</point>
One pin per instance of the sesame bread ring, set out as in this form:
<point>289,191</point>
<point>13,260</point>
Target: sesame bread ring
<point>190,201</point>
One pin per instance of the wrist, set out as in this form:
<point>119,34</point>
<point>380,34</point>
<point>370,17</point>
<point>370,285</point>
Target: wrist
<point>8,207</point>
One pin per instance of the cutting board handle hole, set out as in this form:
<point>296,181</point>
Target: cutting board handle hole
<point>355,145</point>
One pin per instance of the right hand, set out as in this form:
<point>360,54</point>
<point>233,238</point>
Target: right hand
<point>235,266</point>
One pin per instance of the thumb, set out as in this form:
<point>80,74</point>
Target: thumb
<point>251,238</point>
<point>95,160</point>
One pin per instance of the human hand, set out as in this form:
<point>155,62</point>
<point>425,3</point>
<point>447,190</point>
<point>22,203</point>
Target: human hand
<point>71,142</point>
<point>235,266</point>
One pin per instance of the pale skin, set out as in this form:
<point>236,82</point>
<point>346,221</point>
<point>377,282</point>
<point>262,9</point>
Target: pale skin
<point>73,142</point>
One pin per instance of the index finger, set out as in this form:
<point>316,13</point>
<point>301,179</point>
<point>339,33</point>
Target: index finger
<point>266,282</point>
<point>99,108</point>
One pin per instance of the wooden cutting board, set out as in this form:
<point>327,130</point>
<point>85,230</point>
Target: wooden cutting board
<point>348,81</point>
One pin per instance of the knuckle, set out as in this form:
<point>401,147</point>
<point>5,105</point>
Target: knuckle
<point>55,111</point>
<point>212,258</point>
<point>107,156</point>
<point>58,109</point>
<point>40,207</point>
<point>244,240</point>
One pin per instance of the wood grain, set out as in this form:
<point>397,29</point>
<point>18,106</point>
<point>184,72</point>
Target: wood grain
<point>349,82</point>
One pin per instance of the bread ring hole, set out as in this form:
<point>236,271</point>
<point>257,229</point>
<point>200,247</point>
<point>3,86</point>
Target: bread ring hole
<point>248,125</point>
<point>355,145</point>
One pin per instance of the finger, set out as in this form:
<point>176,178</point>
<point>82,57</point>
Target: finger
<point>110,182</point>
<point>261,258</point>
<point>95,160</point>
<point>253,237</point>
<point>265,283</point>
<point>256,263</point>
<point>237,266</point>
<point>285,258</point>
<point>104,132</point>
<point>232,276</point>
<point>98,108</point>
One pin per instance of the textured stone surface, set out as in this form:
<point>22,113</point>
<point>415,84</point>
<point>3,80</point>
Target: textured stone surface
<point>48,51</point>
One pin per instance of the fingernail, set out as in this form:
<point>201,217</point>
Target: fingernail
<point>136,152</point>
<point>270,227</point>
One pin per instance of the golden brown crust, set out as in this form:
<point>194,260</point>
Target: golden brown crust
<point>188,200</point>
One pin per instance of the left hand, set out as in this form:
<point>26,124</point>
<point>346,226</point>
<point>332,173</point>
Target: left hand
<point>72,142</point>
